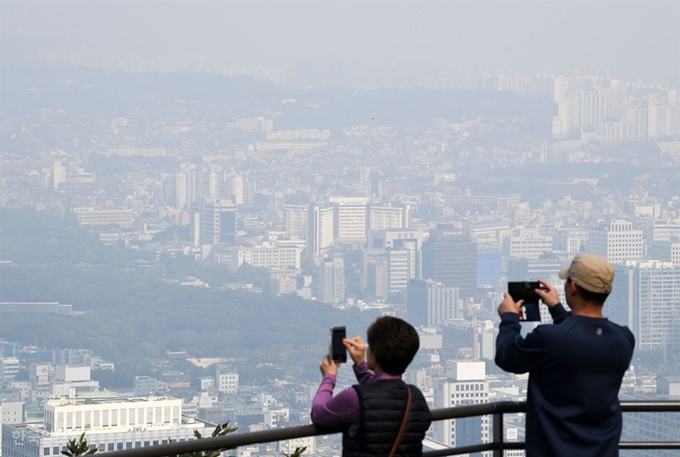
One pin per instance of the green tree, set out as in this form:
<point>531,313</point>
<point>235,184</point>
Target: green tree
<point>76,448</point>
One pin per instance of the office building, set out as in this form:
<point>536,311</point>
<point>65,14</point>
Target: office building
<point>527,244</point>
<point>668,251</point>
<point>573,241</point>
<point>646,298</point>
<point>405,239</point>
<point>144,385</point>
<point>110,424</point>
<point>227,379</point>
<point>618,242</point>
<point>213,221</point>
<point>387,217</point>
<point>330,280</point>
<point>92,216</point>
<point>349,219</point>
<point>58,174</point>
<point>465,384</point>
<point>523,269</point>
<point>296,219</point>
<point>477,339</point>
<point>266,256</point>
<point>9,367</point>
<point>376,278</point>
<point>450,257</point>
<point>398,270</point>
<point>430,303</point>
<point>320,228</point>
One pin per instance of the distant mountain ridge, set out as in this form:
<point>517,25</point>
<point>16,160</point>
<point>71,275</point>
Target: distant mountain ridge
<point>86,91</point>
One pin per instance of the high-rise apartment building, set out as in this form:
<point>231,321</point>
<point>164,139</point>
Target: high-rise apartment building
<point>450,257</point>
<point>331,280</point>
<point>320,219</point>
<point>398,270</point>
<point>240,188</point>
<point>646,298</point>
<point>430,303</point>
<point>618,242</point>
<point>465,384</point>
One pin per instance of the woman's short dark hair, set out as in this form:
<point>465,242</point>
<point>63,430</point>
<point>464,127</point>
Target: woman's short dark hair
<point>393,342</point>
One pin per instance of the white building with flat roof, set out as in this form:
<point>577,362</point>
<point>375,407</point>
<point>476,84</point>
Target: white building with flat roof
<point>267,257</point>
<point>618,242</point>
<point>349,218</point>
<point>110,424</point>
<point>465,384</point>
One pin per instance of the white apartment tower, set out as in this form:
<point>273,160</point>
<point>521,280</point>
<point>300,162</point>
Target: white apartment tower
<point>618,242</point>
<point>398,270</point>
<point>320,228</point>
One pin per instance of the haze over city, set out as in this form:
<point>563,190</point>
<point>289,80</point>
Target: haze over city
<point>193,193</point>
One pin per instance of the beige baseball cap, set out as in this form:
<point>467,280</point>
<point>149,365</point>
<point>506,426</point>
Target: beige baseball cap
<point>590,272</point>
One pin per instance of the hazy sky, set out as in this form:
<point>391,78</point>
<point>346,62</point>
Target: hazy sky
<point>367,42</point>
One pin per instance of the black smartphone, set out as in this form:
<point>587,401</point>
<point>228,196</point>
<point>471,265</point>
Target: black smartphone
<point>526,290</point>
<point>336,350</point>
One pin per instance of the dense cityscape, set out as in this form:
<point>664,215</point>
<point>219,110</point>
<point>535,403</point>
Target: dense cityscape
<point>138,213</point>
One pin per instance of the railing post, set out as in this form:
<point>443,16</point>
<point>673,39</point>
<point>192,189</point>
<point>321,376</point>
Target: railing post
<point>498,435</point>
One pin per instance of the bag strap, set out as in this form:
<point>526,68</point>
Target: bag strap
<point>403,423</point>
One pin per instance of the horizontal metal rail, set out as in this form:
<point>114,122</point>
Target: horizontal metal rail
<point>496,409</point>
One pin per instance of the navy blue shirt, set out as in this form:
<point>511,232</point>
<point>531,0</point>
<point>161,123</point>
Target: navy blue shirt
<point>575,371</point>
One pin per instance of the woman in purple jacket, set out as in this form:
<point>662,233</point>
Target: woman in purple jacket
<point>373,411</point>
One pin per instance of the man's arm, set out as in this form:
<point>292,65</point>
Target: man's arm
<point>558,313</point>
<point>516,354</point>
<point>551,297</point>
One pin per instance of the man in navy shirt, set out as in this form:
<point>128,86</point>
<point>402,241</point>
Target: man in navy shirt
<point>575,366</point>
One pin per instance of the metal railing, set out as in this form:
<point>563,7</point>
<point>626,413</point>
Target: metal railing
<point>497,445</point>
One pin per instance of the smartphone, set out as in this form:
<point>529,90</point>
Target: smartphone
<point>526,290</point>
<point>336,350</point>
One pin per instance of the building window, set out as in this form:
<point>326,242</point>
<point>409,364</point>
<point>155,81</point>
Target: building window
<point>46,451</point>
